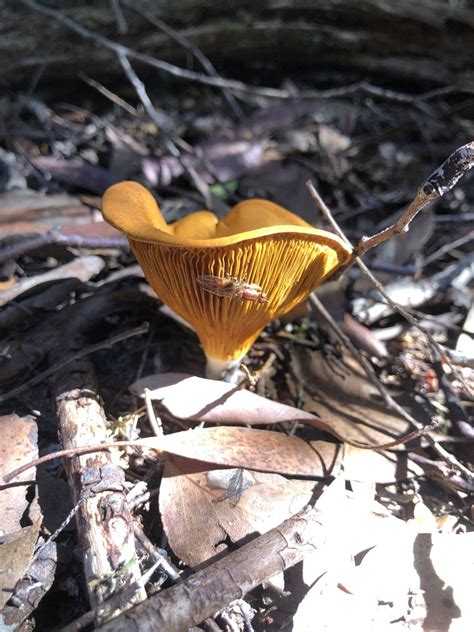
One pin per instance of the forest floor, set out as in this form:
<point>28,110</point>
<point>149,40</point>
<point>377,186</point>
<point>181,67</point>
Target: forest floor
<point>342,372</point>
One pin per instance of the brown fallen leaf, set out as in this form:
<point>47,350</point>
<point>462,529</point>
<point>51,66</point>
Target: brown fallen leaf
<point>200,512</point>
<point>262,450</point>
<point>347,401</point>
<point>236,151</point>
<point>377,572</point>
<point>356,419</point>
<point>191,397</point>
<point>379,466</point>
<point>428,580</point>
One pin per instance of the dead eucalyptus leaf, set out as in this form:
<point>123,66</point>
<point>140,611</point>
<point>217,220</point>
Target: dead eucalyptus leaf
<point>428,579</point>
<point>379,466</point>
<point>211,401</point>
<point>262,450</point>
<point>401,575</point>
<point>347,401</point>
<point>198,399</point>
<point>200,511</point>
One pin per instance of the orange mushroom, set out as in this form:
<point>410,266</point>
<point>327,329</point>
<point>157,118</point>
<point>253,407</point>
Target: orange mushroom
<point>257,244</point>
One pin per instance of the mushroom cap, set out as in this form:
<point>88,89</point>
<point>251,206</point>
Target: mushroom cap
<point>257,242</point>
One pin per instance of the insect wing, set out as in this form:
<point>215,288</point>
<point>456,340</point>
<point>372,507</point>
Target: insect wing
<point>217,285</point>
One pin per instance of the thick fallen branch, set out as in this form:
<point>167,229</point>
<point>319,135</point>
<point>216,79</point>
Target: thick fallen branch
<point>211,589</point>
<point>104,522</point>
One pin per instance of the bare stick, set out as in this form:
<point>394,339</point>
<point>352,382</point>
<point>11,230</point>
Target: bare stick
<point>366,365</point>
<point>437,184</point>
<point>157,119</point>
<point>54,236</point>
<point>465,239</point>
<point>151,61</point>
<point>189,46</point>
<point>449,458</point>
<point>108,94</point>
<point>69,452</point>
<point>219,82</point>
<point>155,423</point>
<point>119,17</point>
<point>138,331</point>
<point>140,89</point>
<point>188,603</point>
<point>104,520</point>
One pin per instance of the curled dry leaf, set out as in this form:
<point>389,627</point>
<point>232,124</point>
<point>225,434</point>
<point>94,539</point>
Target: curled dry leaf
<point>190,397</point>
<point>404,578</point>
<point>423,584</point>
<point>200,511</point>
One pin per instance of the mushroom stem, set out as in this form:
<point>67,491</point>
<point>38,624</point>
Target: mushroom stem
<point>227,370</point>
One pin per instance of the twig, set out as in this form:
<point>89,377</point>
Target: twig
<point>116,604</point>
<point>413,321</point>
<point>119,17</point>
<point>457,414</point>
<point>105,344</point>
<point>139,86</point>
<point>80,268</point>
<point>195,599</point>
<point>63,524</point>
<point>155,423</point>
<point>391,268</point>
<point>355,258</point>
<point>157,119</point>
<point>189,46</point>
<point>69,452</point>
<point>437,184</point>
<point>450,219</point>
<point>176,71</point>
<point>447,248</point>
<point>104,520</point>
<point>152,551</point>
<point>366,365</point>
<point>109,95</point>
<point>449,458</point>
<point>53,236</point>
<point>219,82</point>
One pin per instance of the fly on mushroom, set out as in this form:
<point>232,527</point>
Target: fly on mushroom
<point>231,287</point>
